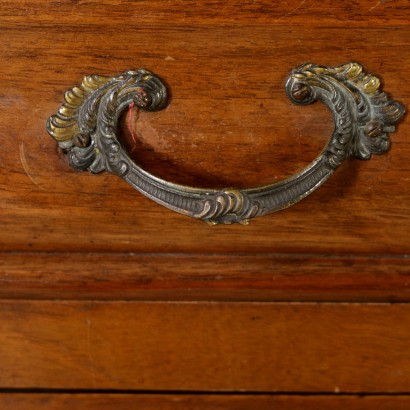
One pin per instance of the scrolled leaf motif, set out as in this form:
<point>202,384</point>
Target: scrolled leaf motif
<point>64,125</point>
<point>228,206</point>
<point>91,111</point>
<point>356,102</point>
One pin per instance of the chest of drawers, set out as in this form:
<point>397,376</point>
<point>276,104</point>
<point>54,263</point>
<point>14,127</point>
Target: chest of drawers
<point>109,300</point>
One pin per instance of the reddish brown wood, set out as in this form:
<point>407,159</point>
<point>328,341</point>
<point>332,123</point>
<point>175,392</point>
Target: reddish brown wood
<point>283,347</point>
<point>67,235</point>
<point>229,123</point>
<point>198,402</point>
<point>204,277</point>
<point>236,12</point>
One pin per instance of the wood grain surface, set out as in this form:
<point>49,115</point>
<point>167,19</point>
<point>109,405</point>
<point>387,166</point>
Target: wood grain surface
<point>232,12</point>
<point>80,255</point>
<point>271,347</point>
<point>229,123</point>
<point>262,277</point>
<point>198,402</point>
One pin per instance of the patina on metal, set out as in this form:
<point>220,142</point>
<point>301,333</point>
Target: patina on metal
<point>85,127</point>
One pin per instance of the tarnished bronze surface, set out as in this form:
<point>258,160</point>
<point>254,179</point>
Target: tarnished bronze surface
<point>86,127</point>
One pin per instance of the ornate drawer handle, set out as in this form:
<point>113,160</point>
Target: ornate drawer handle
<point>86,126</point>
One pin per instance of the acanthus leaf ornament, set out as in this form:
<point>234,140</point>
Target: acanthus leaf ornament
<point>85,127</point>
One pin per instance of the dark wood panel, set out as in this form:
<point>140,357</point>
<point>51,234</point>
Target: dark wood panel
<point>198,402</point>
<point>205,346</point>
<point>229,123</point>
<point>204,277</point>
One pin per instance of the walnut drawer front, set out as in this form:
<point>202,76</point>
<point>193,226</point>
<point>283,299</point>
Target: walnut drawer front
<point>107,300</point>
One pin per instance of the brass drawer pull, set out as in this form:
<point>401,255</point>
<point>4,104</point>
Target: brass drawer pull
<point>86,126</point>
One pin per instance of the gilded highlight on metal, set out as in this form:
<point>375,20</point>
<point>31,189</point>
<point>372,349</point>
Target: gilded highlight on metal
<point>85,127</point>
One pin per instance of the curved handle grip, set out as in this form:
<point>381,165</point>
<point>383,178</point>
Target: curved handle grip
<point>86,125</point>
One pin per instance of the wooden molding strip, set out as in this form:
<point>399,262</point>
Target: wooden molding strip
<point>100,401</point>
<point>204,277</point>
